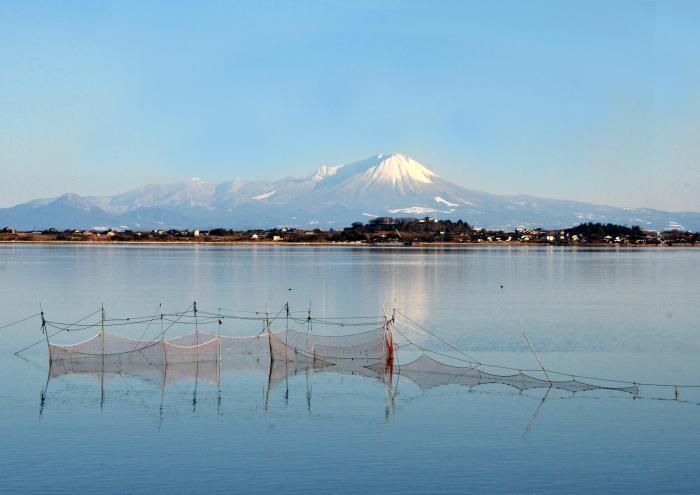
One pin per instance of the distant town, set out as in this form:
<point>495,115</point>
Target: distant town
<point>378,231</point>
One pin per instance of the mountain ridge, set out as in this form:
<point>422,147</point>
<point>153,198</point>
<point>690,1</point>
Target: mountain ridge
<point>332,196</point>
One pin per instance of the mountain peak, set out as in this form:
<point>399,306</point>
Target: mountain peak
<point>72,200</point>
<point>401,173</point>
<point>397,168</point>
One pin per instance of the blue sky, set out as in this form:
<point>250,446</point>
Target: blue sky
<point>589,100</point>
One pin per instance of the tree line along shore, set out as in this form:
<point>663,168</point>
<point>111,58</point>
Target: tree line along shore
<point>378,231</point>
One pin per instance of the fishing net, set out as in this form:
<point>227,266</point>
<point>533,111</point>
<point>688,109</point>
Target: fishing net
<point>285,345</point>
<point>257,345</point>
<point>108,354</point>
<point>427,373</point>
<point>111,351</point>
<point>202,355</point>
<point>281,355</point>
<point>207,351</point>
<point>291,345</point>
<point>192,339</point>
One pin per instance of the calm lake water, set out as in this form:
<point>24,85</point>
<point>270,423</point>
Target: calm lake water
<point>631,314</point>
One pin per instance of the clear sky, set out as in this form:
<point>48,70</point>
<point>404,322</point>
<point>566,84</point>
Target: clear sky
<point>589,100</point>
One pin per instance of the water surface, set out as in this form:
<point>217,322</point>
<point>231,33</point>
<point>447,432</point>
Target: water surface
<point>630,313</point>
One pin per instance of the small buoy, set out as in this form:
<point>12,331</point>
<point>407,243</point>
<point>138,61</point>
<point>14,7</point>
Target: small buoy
<point>501,286</point>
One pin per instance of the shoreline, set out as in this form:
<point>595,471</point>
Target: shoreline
<point>464,245</point>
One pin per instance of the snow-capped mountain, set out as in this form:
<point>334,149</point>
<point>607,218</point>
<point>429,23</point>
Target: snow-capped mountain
<point>331,197</point>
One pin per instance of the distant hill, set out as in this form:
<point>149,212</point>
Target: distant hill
<point>332,197</point>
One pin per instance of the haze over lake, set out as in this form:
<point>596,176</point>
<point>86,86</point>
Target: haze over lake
<point>630,314</point>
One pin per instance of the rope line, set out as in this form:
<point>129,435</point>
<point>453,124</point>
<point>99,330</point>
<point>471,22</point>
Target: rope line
<point>162,333</point>
<point>160,307</point>
<point>56,333</point>
<point>573,376</point>
<point>477,363</point>
<point>425,330</point>
<point>20,321</point>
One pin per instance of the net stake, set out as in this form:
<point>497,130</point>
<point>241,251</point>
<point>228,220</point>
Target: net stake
<point>44,331</point>
<point>537,357</point>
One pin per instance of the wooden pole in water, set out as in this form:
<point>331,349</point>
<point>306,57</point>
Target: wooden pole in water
<point>286,332</point>
<point>537,357</point>
<point>196,369</point>
<point>102,325</point>
<point>269,342</point>
<point>162,337</point>
<point>44,331</point>
<point>102,376</point>
<point>218,370</point>
<point>196,327</point>
<point>219,355</point>
<point>388,334</point>
<point>286,354</point>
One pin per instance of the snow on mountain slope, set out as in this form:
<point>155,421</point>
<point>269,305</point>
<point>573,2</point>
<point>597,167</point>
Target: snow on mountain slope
<point>332,196</point>
<point>439,199</point>
<point>398,170</point>
<point>195,193</point>
<point>403,174</point>
<point>413,210</point>
<point>324,172</point>
<point>265,195</point>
